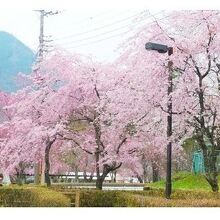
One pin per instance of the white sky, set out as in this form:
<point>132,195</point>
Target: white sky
<point>104,22</point>
<point>96,32</point>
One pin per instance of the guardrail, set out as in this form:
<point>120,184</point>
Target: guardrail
<point>106,186</point>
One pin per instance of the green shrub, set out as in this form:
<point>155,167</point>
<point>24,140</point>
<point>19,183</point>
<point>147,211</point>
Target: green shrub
<point>149,198</point>
<point>31,197</point>
<point>97,198</point>
<point>143,201</point>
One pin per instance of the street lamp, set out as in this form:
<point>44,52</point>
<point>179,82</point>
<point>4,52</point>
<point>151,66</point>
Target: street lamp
<point>165,49</point>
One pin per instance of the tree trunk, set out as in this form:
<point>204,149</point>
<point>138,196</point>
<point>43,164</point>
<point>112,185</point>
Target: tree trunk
<point>211,173</point>
<point>76,174</point>
<point>99,149</point>
<point>155,172</point>
<point>139,179</point>
<point>36,173</point>
<point>20,178</point>
<point>106,170</point>
<point>47,165</point>
<point>47,161</point>
<point>210,163</point>
<point>114,176</point>
<point>213,183</point>
<point>99,182</point>
<point>84,176</point>
<point>145,174</point>
<point>91,177</point>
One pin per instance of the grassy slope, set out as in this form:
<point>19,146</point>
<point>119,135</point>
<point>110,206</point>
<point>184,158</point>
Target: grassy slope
<point>185,180</point>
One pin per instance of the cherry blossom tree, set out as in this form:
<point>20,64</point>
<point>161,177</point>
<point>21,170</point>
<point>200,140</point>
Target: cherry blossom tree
<point>109,111</point>
<point>30,133</point>
<point>65,91</point>
<point>194,35</point>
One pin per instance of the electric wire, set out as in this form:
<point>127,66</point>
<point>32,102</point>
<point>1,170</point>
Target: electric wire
<point>78,23</point>
<point>113,36</point>
<point>99,28</point>
<point>107,32</point>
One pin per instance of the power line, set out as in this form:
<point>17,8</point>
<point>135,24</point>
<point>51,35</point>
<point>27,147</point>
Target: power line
<point>97,35</point>
<point>101,27</point>
<point>90,18</point>
<point>107,32</point>
<point>113,36</point>
<point>86,19</point>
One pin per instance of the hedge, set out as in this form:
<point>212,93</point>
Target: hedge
<point>136,200</point>
<point>150,198</point>
<point>31,197</point>
<point>98,198</point>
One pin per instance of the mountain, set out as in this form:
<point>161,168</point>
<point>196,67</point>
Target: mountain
<point>15,57</point>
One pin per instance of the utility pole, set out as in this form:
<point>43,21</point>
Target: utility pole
<point>42,39</point>
<point>40,166</point>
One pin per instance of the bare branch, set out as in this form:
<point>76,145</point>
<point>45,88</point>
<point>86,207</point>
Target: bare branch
<point>119,146</point>
<point>74,141</point>
<point>96,91</point>
<point>198,73</point>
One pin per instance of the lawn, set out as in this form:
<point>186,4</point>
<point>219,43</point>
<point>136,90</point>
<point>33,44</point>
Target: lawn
<point>185,181</point>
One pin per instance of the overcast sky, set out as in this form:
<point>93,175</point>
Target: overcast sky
<point>89,27</point>
<point>96,32</point>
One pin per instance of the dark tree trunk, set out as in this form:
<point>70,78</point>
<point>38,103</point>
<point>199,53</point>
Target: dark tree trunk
<point>210,163</point>
<point>47,165</point>
<point>91,177</point>
<point>145,176</point>
<point>47,161</point>
<point>84,176</point>
<point>211,173</point>
<point>213,181</point>
<point>155,172</point>
<point>114,176</point>
<point>106,170</point>
<point>99,180</point>
<point>100,148</point>
<point>76,175</point>
<point>20,178</point>
<point>209,152</point>
<point>139,179</point>
<point>99,183</point>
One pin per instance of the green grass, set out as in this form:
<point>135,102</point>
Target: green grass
<point>185,180</point>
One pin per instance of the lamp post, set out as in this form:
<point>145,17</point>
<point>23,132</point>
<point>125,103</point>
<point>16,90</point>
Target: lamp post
<point>160,48</point>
